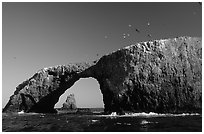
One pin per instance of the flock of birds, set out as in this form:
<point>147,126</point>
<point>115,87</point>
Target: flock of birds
<point>125,35</point>
<point>139,31</point>
<point>136,30</point>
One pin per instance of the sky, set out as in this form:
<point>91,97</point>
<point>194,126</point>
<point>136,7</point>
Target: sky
<point>38,35</point>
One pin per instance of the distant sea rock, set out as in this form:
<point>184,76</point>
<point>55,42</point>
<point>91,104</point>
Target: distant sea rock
<point>70,103</point>
<point>163,76</point>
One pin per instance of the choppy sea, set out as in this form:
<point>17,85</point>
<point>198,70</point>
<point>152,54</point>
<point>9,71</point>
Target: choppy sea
<point>97,122</point>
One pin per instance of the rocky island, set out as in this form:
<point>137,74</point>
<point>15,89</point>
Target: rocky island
<point>69,106</point>
<point>70,103</point>
<point>163,76</point>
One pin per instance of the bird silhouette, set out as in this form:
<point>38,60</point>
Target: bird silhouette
<point>137,30</point>
<point>149,35</point>
<point>148,23</point>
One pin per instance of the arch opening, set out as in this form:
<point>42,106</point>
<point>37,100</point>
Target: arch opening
<point>87,94</point>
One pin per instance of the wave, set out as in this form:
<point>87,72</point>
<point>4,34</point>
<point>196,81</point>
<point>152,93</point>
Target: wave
<point>24,113</point>
<point>151,114</point>
<point>21,112</point>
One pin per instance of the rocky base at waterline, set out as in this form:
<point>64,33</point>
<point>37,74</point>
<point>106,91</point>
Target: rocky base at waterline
<point>162,76</point>
<point>81,111</point>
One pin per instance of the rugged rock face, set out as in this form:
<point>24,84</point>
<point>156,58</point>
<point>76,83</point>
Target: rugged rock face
<point>156,76</point>
<point>70,103</point>
<point>42,91</point>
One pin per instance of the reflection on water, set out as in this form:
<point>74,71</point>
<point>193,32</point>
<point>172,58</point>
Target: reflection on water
<point>144,126</point>
<point>132,122</point>
<point>143,122</point>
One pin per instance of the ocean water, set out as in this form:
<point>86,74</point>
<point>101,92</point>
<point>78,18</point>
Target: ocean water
<point>97,122</point>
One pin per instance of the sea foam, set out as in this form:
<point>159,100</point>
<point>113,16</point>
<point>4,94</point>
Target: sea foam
<point>151,114</point>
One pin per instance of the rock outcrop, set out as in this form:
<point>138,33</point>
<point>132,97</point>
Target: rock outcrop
<point>70,103</point>
<point>161,76</point>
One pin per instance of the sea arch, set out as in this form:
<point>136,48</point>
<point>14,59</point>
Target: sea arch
<point>163,76</point>
<point>86,93</point>
<point>41,92</point>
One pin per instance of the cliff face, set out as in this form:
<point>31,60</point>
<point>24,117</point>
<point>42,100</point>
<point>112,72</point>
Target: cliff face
<point>42,91</point>
<point>155,76</point>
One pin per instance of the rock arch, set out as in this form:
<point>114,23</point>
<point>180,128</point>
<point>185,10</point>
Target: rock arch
<point>86,92</point>
<point>155,76</point>
<point>45,88</point>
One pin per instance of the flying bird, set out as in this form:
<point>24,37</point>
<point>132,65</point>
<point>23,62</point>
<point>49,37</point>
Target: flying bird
<point>149,35</point>
<point>148,23</point>
<point>137,30</point>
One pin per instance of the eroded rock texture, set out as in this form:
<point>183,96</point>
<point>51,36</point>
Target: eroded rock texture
<point>156,76</point>
<point>70,103</point>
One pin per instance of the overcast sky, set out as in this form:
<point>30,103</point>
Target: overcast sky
<point>38,35</point>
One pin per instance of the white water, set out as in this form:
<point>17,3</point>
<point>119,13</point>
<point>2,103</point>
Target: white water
<point>151,114</point>
<point>21,112</point>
